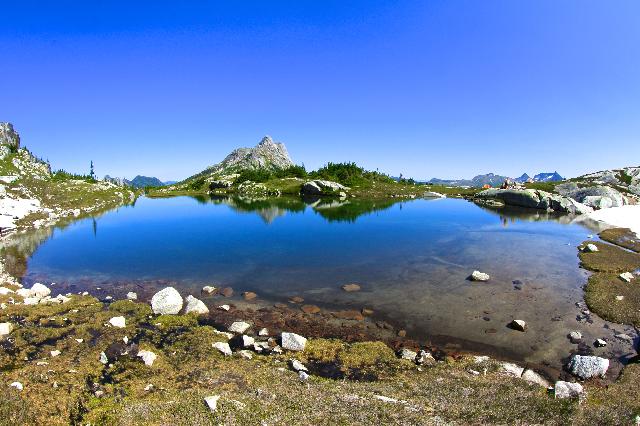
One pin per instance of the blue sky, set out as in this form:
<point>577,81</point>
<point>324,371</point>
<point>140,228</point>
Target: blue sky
<point>445,89</point>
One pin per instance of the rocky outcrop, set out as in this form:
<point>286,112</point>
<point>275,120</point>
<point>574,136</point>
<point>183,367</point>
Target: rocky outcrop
<point>535,199</point>
<point>322,187</point>
<point>8,136</point>
<point>597,197</point>
<point>266,155</point>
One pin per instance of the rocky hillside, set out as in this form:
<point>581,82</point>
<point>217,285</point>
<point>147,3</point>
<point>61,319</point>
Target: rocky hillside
<point>267,155</point>
<point>31,195</point>
<point>593,191</point>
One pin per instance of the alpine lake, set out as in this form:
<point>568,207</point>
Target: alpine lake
<point>411,258</point>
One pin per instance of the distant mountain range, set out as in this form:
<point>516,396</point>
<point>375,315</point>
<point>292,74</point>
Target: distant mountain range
<point>496,180</point>
<point>138,181</point>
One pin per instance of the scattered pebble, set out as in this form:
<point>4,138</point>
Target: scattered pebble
<point>626,276</point>
<point>591,248</point>
<point>17,385</point>
<point>212,402</point>
<point>518,325</point>
<point>293,342</point>
<point>132,296</point>
<point>55,353</point>
<point>224,307</point>
<point>600,343</point>
<point>208,289</point>
<point>567,390</point>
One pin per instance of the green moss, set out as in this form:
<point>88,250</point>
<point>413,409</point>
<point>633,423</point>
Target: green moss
<point>138,311</point>
<point>176,321</point>
<point>323,350</point>
<point>609,258</point>
<point>366,354</point>
<point>622,237</point>
<point>601,292</point>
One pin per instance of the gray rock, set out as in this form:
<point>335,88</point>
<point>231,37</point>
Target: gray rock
<point>567,389</point>
<point>223,347</point>
<point>586,367</point>
<point>212,402</point>
<point>322,187</point>
<point>293,342</point>
<point>196,306</point>
<point>118,322</point>
<point>626,276</point>
<point>148,357</point>
<point>5,328</point>
<point>591,248</point>
<point>598,196</point>
<point>166,302</point>
<point>425,357</point>
<point>407,354</point>
<point>533,377</point>
<point>479,276</point>
<point>297,365</point>
<point>247,341</point>
<point>132,296</point>
<point>511,369</point>
<point>239,327</point>
<point>532,198</point>
<point>518,325</point>
<point>575,336</point>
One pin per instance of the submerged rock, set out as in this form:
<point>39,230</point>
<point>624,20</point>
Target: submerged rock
<point>166,302</point>
<point>586,367</point>
<point>575,336</point>
<point>351,287</point>
<point>208,289</point>
<point>196,306</point>
<point>479,276</point>
<point>249,295</point>
<point>600,343</point>
<point>567,389</point>
<point>293,341</point>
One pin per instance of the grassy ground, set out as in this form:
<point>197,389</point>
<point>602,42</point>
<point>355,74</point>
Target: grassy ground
<point>75,388</point>
<point>622,237</point>
<point>605,286</point>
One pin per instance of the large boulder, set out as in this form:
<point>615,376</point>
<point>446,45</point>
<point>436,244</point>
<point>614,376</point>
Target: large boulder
<point>598,196</point>
<point>322,187</point>
<point>166,301</point>
<point>535,199</point>
<point>586,367</point>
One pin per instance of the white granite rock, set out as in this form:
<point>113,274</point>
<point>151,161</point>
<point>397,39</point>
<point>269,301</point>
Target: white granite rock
<point>166,301</point>
<point>224,348</point>
<point>147,356</point>
<point>118,322</point>
<point>293,342</point>
<point>586,367</point>
<point>239,327</point>
<point>567,389</point>
<point>479,276</point>
<point>196,306</point>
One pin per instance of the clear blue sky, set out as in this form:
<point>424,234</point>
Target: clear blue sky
<point>424,88</point>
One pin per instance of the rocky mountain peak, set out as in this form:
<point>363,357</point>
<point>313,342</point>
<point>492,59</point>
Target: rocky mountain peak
<point>267,154</point>
<point>8,136</point>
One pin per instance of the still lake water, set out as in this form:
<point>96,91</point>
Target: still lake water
<point>412,259</point>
